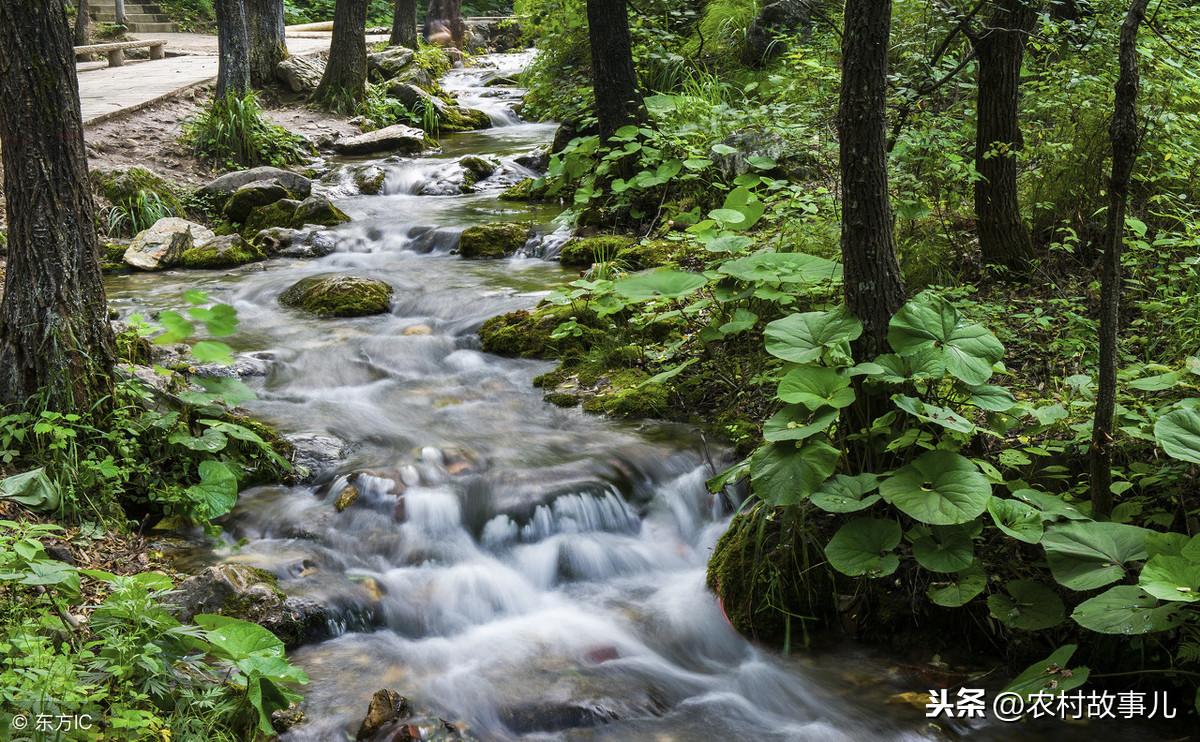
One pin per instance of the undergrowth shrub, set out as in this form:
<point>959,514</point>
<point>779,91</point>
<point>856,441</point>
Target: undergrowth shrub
<point>232,132</point>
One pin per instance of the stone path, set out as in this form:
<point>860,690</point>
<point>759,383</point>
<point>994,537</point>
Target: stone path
<point>105,92</point>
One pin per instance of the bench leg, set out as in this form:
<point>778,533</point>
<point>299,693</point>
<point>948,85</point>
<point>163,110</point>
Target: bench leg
<point>116,58</point>
<point>156,52</point>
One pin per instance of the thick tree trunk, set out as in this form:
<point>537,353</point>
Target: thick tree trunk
<point>83,24</point>
<point>404,24</point>
<point>614,80</point>
<point>445,16</point>
<point>54,332</point>
<point>999,47</point>
<point>344,83</point>
<point>268,43</point>
<point>872,286</point>
<point>233,45</point>
<point>1123,132</point>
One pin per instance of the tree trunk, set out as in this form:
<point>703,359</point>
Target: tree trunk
<point>1123,131</point>
<point>83,24</point>
<point>404,24</point>
<point>54,332</point>
<point>872,285</point>
<point>344,83</point>
<point>614,80</point>
<point>268,43</point>
<point>233,45</point>
<point>445,16</point>
<point>119,7</point>
<point>999,47</point>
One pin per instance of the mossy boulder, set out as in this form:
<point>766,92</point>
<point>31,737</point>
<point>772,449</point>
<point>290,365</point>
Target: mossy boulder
<point>527,334</point>
<point>585,251</point>
<point>278,214</point>
<point>318,210</point>
<point>369,179</point>
<point>124,187</point>
<point>252,195</point>
<point>226,251</point>
<point>386,64</point>
<point>524,190</point>
<point>497,240</point>
<point>460,118</point>
<point>625,393</point>
<point>339,296</point>
<point>478,167</point>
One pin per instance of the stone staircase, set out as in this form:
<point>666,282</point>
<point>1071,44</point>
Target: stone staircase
<point>143,18</point>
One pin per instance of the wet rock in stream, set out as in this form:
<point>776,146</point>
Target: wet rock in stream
<point>339,296</point>
<point>395,138</point>
<point>492,240</point>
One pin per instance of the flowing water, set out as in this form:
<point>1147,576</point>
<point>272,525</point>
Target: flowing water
<point>542,574</point>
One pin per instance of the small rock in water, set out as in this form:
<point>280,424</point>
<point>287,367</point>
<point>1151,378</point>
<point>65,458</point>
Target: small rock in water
<point>395,138</point>
<point>346,497</point>
<point>163,245</point>
<point>386,706</point>
<point>339,296</point>
<point>317,453</point>
<point>418,330</point>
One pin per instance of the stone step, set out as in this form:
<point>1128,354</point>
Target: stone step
<point>130,9</point>
<point>133,18</point>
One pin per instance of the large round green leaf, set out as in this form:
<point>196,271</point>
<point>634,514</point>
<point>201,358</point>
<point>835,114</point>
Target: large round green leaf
<point>961,589</point>
<point>847,494</point>
<point>1178,432</point>
<point>801,338</point>
<point>816,386</point>
<point>1022,522</point>
<point>660,283</point>
<point>781,474</point>
<point>863,547</point>
<point>1172,578</point>
<point>1085,555</point>
<point>992,398</point>
<point>940,488</point>
<point>946,548</point>
<point>1129,610</point>
<point>1029,605</point>
<point>932,413</point>
<point>782,267</point>
<point>217,491</point>
<point>795,423</point>
<point>929,321</point>
<point>1052,506</point>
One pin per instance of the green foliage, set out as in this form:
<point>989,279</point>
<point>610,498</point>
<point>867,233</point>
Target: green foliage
<point>232,132</point>
<point>137,199</point>
<point>137,671</point>
<point>191,16</point>
<point>379,12</point>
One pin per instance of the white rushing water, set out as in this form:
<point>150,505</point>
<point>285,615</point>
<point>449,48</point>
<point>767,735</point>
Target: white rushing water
<point>540,574</point>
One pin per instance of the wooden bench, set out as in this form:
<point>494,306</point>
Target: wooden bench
<point>116,50</point>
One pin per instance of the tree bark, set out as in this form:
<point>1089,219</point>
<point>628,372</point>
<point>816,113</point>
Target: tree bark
<point>1004,238</point>
<point>872,286</point>
<point>344,83</point>
<point>614,80</point>
<point>233,46</point>
<point>54,332</point>
<point>83,23</point>
<point>404,24</point>
<point>268,42</point>
<point>446,15</point>
<point>1123,131</point>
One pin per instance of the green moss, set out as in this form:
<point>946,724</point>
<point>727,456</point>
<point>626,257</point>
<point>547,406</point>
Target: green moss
<point>561,399</point>
<point>497,240</point>
<point>317,210</point>
<point>625,395</point>
<point>339,296</point>
<point>652,253</point>
<point>278,214</point>
<point>132,347</point>
<point>458,118</point>
<point>222,253</point>
<point>585,251</point>
<point>123,187</point>
<point>524,190</point>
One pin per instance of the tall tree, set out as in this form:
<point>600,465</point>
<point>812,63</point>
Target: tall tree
<point>83,23</point>
<point>1123,132</point>
<point>999,46</point>
<point>404,24</point>
<point>54,332</point>
<point>872,286</point>
<point>446,15</point>
<point>233,48</point>
<point>344,83</point>
<point>268,42</point>
<point>614,80</point>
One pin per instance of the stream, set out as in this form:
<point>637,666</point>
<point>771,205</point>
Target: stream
<point>542,576</point>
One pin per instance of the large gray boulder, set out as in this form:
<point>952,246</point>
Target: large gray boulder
<point>300,74</point>
<point>259,193</point>
<point>163,245</point>
<point>390,62</point>
<point>411,95</point>
<point>223,187</point>
<point>338,296</point>
<point>396,138</point>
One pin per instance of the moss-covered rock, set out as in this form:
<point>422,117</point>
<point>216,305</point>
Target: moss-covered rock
<point>497,240</point>
<point>279,214</point>
<point>338,296</point>
<point>478,167</point>
<point>369,179</point>
<point>460,118</point>
<point>585,251</point>
<point>227,251</point>
<point>125,187</point>
<point>524,190</point>
<point>318,210</point>
<point>652,254</point>
<point>625,394</point>
<point>253,195</point>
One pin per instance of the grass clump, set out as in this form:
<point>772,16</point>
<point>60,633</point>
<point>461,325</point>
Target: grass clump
<point>137,199</point>
<point>232,132</point>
